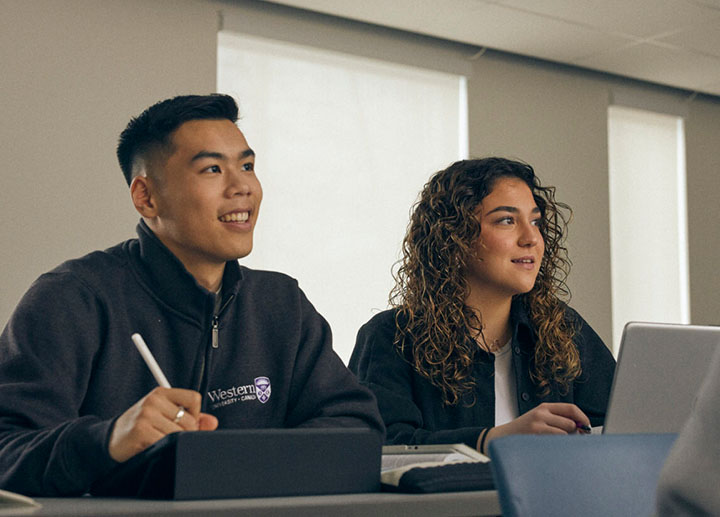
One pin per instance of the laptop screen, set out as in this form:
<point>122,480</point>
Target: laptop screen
<point>659,371</point>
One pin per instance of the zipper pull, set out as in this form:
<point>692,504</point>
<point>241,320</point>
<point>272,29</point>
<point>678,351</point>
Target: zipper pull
<point>215,332</point>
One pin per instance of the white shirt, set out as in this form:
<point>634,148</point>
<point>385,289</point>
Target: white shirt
<point>506,406</point>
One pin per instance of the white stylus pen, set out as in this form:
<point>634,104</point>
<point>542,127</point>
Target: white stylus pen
<point>150,360</point>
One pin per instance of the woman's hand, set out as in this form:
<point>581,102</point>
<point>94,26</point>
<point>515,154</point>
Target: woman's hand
<point>547,418</point>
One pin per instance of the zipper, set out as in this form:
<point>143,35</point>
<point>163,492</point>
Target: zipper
<point>215,341</point>
<point>215,332</point>
<point>214,344</point>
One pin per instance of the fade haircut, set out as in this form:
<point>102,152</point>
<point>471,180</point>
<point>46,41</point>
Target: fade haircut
<point>151,130</point>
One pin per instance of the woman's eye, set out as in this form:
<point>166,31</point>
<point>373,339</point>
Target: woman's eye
<point>537,222</point>
<point>506,220</point>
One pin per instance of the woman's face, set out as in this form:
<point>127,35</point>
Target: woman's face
<point>510,248</point>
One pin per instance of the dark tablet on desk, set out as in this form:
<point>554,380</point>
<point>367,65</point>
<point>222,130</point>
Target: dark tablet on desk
<point>250,463</point>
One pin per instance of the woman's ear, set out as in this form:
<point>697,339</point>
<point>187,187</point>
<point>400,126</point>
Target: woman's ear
<point>141,192</point>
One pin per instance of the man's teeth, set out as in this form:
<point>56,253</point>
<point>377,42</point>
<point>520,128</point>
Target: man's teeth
<point>235,217</point>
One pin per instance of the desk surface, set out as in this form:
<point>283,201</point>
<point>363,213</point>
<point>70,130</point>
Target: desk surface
<point>415,505</point>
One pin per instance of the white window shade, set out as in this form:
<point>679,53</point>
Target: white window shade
<point>344,144</point>
<point>648,218</point>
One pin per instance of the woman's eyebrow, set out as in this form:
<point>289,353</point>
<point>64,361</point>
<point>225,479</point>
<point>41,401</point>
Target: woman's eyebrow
<point>511,209</point>
<point>503,208</point>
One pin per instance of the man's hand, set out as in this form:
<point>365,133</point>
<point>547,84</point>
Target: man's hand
<point>547,418</point>
<point>153,417</point>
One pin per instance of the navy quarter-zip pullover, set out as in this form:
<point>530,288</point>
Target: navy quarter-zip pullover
<point>68,367</point>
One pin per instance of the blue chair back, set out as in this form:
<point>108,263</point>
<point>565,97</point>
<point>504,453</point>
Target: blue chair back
<point>596,475</point>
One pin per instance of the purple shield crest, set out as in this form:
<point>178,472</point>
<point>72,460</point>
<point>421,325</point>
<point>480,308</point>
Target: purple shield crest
<point>262,389</point>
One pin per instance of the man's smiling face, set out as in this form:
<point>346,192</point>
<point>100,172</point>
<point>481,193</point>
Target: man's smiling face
<point>205,194</point>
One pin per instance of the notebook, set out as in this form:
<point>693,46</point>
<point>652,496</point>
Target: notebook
<point>398,456</point>
<point>250,463</point>
<point>430,468</point>
<point>659,371</point>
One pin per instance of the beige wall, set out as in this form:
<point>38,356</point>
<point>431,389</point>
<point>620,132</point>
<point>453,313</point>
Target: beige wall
<point>555,117</point>
<point>557,122</point>
<point>702,129</point>
<point>74,72</point>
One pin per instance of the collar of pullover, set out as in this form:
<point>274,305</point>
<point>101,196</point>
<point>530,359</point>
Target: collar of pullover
<point>167,277</point>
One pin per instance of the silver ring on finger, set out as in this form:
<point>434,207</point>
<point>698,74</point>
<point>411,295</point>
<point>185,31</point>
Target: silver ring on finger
<point>179,414</point>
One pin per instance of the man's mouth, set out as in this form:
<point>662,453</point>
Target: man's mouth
<point>235,217</point>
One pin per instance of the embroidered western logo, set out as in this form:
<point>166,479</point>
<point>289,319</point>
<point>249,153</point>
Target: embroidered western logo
<point>260,390</point>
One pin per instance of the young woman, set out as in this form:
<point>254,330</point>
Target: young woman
<point>479,344</point>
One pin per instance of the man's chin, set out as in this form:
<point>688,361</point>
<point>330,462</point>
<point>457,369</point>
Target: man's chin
<point>241,253</point>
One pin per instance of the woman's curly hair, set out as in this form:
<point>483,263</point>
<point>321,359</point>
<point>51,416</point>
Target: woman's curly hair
<point>431,287</point>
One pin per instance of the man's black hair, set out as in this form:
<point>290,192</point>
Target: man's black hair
<point>152,128</point>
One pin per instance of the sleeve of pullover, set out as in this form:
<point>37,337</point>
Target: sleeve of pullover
<point>324,393</point>
<point>46,357</point>
<point>378,364</point>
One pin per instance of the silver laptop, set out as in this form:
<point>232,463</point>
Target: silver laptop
<point>659,372</point>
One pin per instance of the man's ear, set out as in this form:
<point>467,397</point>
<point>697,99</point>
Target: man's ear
<point>141,192</point>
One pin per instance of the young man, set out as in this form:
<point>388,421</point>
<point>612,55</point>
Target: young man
<point>241,348</point>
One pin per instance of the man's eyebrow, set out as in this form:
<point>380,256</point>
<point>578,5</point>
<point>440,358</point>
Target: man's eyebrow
<point>208,154</point>
<point>511,209</point>
<point>220,156</point>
